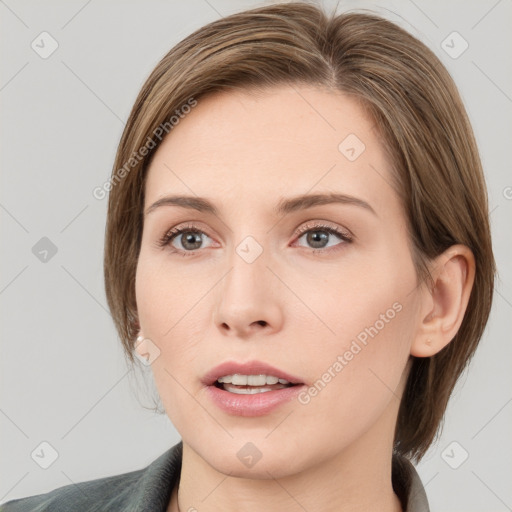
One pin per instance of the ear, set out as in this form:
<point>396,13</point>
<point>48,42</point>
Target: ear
<point>444,303</point>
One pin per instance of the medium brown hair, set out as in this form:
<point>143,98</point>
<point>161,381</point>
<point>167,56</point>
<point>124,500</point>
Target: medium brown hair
<point>417,109</point>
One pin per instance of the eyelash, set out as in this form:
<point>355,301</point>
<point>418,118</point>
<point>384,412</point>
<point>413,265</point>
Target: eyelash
<point>169,236</point>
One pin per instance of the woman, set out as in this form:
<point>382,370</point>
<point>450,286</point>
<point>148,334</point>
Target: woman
<point>298,243</point>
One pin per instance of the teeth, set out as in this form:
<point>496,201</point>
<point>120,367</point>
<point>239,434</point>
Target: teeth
<point>251,380</point>
<point>245,391</point>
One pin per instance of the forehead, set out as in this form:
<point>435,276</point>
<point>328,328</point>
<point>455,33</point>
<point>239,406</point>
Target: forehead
<point>271,143</point>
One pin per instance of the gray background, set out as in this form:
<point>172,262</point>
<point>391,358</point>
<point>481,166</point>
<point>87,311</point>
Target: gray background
<point>63,376</point>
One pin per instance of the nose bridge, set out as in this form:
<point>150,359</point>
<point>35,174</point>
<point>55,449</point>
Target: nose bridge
<point>248,246</point>
<point>248,260</point>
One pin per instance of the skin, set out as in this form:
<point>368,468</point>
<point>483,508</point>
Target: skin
<point>293,308</point>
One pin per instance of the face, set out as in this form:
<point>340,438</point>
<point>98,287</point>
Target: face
<point>324,292</point>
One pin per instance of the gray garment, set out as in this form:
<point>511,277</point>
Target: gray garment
<point>149,490</point>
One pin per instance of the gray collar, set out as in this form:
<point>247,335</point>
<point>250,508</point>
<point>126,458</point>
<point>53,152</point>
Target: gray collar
<point>407,485</point>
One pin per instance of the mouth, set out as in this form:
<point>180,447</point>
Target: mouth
<point>251,384</point>
<point>250,389</point>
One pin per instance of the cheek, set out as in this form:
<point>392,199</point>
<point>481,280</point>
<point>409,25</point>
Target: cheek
<point>358,370</point>
<point>159,314</point>
<point>165,301</point>
<point>165,296</point>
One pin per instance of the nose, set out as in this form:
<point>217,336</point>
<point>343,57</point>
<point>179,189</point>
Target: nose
<point>247,302</point>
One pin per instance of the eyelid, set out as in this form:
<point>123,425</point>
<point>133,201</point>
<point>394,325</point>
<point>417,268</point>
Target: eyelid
<point>323,224</point>
<point>303,227</point>
<point>172,233</point>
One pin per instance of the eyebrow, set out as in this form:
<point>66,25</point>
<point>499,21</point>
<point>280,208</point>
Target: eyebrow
<point>283,207</point>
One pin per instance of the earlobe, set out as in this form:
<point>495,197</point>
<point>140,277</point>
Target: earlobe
<point>425,347</point>
<point>445,303</point>
<point>140,344</point>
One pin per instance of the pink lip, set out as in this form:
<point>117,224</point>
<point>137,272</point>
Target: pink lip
<point>250,405</point>
<point>249,368</point>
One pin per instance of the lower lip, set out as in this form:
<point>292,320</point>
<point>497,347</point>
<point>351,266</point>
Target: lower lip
<point>258,404</point>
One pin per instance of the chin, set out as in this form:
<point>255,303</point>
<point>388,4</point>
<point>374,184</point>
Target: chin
<point>260,459</point>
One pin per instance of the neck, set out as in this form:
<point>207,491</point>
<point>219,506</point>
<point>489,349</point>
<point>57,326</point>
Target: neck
<point>356,479</point>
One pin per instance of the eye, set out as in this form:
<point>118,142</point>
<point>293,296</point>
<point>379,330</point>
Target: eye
<point>318,236</point>
<point>188,237</point>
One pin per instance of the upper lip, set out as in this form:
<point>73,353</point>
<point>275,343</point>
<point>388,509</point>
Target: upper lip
<point>248,368</point>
